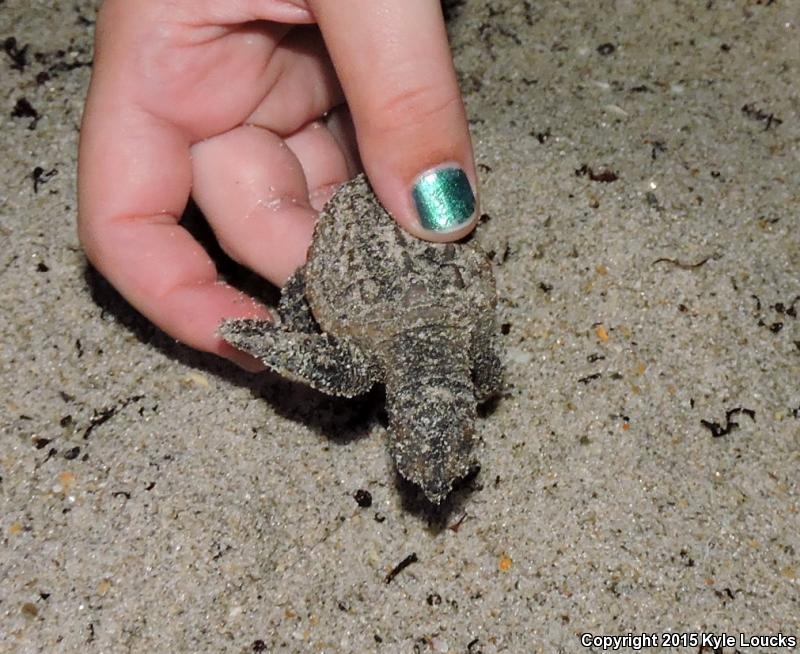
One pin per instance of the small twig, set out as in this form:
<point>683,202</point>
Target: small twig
<point>681,264</point>
<point>411,558</point>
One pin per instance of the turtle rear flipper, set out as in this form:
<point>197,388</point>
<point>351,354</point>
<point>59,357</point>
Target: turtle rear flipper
<point>487,365</point>
<point>336,366</point>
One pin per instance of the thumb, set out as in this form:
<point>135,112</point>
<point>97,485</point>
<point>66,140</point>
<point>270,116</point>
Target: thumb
<point>396,70</point>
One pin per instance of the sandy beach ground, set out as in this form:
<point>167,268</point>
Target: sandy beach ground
<point>640,170</point>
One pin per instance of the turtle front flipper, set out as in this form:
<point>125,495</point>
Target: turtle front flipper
<point>293,308</point>
<point>336,366</point>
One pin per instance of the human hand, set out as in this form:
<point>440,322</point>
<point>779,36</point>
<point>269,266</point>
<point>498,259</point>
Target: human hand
<point>225,100</point>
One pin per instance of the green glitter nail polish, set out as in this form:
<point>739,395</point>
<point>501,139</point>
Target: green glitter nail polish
<point>444,199</point>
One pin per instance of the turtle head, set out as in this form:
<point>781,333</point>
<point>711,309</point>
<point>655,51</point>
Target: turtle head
<point>432,435</point>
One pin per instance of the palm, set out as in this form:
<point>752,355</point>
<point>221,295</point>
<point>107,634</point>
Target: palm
<point>211,85</point>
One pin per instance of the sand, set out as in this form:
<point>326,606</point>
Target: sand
<point>641,185</point>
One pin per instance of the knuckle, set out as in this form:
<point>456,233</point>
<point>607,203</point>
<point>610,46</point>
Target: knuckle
<point>412,107</point>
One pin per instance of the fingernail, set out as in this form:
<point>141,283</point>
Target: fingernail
<point>444,199</point>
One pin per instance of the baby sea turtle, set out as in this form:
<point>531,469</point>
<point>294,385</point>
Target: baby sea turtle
<point>374,304</point>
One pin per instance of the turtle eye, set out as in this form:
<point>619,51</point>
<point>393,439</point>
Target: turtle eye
<point>368,290</point>
<point>451,275</point>
<point>352,293</point>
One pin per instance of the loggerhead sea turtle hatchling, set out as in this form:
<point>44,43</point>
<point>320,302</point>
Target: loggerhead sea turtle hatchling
<point>374,304</point>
